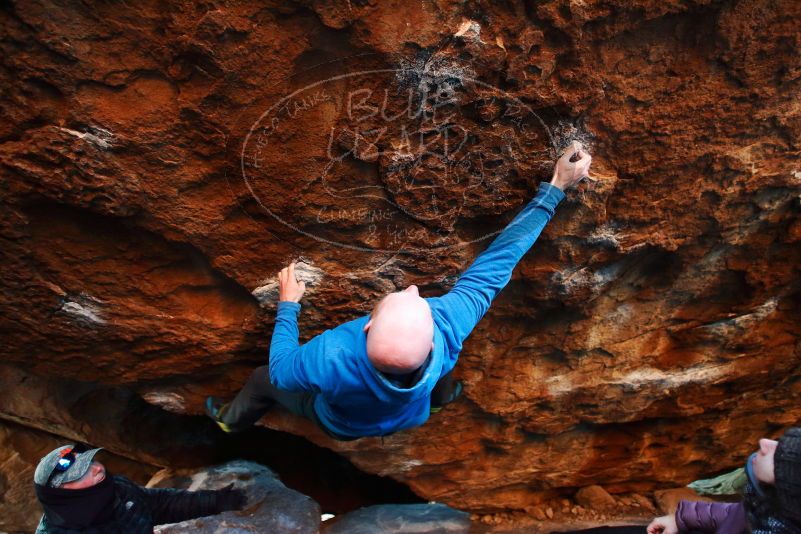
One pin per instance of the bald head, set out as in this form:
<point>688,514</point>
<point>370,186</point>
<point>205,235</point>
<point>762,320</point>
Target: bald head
<point>400,332</point>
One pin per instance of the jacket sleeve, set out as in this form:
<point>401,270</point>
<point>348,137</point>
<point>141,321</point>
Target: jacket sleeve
<point>295,367</point>
<point>464,306</point>
<point>717,517</point>
<point>174,505</point>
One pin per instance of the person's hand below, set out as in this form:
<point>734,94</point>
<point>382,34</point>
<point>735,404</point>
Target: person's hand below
<point>566,173</point>
<point>663,525</point>
<point>289,289</point>
<point>229,498</point>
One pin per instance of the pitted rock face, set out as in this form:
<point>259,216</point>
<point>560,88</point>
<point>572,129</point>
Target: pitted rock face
<point>271,506</point>
<point>648,339</point>
<point>398,155</point>
<point>400,518</point>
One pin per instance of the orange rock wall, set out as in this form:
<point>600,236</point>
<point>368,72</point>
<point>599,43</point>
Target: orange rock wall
<point>651,335</point>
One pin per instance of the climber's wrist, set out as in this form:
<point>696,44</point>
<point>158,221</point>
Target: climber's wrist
<point>556,182</point>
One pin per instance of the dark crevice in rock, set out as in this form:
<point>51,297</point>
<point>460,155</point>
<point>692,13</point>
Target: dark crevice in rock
<point>327,477</point>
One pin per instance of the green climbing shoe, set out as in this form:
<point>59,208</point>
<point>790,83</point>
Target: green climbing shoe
<point>457,392</point>
<point>214,408</point>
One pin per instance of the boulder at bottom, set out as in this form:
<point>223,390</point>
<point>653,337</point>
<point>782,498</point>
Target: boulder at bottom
<point>595,498</point>
<point>272,507</point>
<point>402,519</point>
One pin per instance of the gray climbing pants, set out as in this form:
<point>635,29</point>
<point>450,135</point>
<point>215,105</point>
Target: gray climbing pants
<point>259,395</point>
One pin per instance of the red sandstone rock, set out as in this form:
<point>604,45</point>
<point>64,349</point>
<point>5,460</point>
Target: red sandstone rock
<point>649,338</point>
<point>596,498</point>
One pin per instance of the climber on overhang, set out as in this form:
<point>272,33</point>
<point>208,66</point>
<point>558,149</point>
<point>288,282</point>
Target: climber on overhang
<point>389,370</point>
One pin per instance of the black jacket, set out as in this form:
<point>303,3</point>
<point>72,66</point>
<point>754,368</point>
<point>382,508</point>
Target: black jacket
<point>138,509</point>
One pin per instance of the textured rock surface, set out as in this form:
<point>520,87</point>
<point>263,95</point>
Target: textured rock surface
<point>272,507</point>
<point>595,497</point>
<point>654,326</point>
<point>402,519</point>
<point>114,418</point>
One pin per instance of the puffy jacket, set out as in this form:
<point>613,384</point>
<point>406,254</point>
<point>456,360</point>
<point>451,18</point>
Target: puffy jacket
<point>138,509</point>
<point>717,517</point>
<point>754,515</point>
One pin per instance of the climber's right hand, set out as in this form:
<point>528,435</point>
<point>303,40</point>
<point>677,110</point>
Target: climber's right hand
<point>566,173</point>
<point>289,289</point>
<point>663,525</point>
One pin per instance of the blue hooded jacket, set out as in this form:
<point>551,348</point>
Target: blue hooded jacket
<point>353,399</point>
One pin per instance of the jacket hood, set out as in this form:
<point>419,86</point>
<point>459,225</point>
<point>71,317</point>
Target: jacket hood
<point>383,388</point>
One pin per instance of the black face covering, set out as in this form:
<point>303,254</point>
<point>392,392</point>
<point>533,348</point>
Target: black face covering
<point>78,508</point>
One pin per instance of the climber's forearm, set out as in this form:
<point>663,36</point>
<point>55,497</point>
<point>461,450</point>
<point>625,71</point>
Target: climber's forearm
<point>173,506</point>
<point>464,306</point>
<point>284,343</point>
<point>491,271</point>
